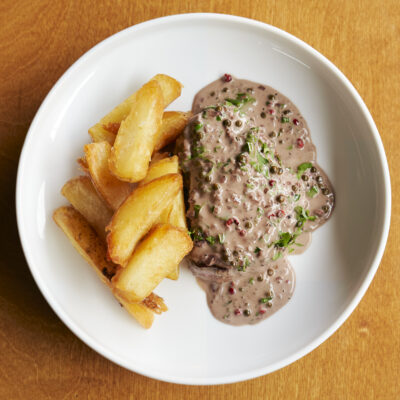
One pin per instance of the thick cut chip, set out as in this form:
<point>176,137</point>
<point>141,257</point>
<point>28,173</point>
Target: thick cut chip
<point>168,165</point>
<point>86,241</point>
<point>83,164</point>
<point>138,213</point>
<point>157,255</point>
<point>94,250</point>
<point>171,88</point>
<point>113,191</point>
<point>104,133</point>
<point>136,138</point>
<point>108,126</point>
<point>81,193</point>
<point>175,214</point>
<point>173,124</point>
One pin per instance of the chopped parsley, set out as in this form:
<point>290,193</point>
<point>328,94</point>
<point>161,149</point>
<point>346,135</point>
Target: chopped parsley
<point>197,127</point>
<point>221,238</point>
<point>286,239</point>
<point>313,191</point>
<point>303,168</point>
<point>210,239</point>
<point>241,100</point>
<point>257,250</point>
<point>265,300</point>
<point>276,256</point>
<point>296,197</point>
<point>285,120</point>
<point>197,209</point>
<point>303,215</point>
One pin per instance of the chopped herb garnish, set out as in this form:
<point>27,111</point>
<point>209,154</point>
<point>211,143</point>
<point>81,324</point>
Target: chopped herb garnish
<point>197,209</point>
<point>303,168</point>
<point>286,239</point>
<point>257,250</point>
<point>265,300</point>
<point>241,99</point>
<point>260,211</point>
<point>221,238</point>
<point>303,215</point>
<point>251,281</point>
<point>290,147</point>
<point>312,192</point>
<point>296,197</point>
<point>250,185</point>
<point>210,239</point>
<point>197,127</point>
<point>218,118</point>
<point>284,120</point>
<point>276,256</point>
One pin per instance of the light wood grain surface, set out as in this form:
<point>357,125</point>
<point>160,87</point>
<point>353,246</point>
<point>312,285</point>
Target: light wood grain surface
<point>40,358</point>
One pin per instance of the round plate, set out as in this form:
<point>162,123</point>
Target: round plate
<point>186,344</point>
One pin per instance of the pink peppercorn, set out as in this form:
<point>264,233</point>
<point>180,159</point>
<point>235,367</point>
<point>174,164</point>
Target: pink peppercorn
<point>296,121</point>
<point>300,143</point>
<point>227,77</point>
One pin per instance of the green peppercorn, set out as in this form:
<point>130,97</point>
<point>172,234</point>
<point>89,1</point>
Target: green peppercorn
<point>272,134</point>
<point>225,89</point>
<point>212,94</point>
<point>325,191</point>
<point>287,112</point>
<point>247,313</point>
<point>319,180</point>
<point>208,178</point>
<point>242,159</point>
<point>215,186</point>
<point>305,178</point>
<point>270,271</point>
<point>294,188</point>
<point>269,304</point>
<point>238,122</point>
<point>273,169</point>
<point>271,97</point>
<point>263,115</point>
<point>280,198</point>
<point>313,170</point>
<point>325,209</point>
<point>226,122</point>
<point>218,108</point>
<point>248,225</point>
<point>260,278</point>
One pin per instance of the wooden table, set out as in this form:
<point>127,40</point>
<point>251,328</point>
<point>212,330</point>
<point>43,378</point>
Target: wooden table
<point>40,358</point>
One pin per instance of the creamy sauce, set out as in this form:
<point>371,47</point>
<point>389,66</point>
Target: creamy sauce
<point>255,195</point>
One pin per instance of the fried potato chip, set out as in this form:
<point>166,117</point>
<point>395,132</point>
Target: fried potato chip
<point>94,250</point>
<point>107,127</point>
<point>86,241</point>
<point>137,215</point>
<point>155,257</point>
<point>113,191</point>
<point>167,165</point>
<point>136,138</point>
<point>81,193</point>
<point>173,124</point>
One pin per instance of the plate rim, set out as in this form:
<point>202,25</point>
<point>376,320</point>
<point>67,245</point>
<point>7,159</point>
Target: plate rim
<point>256,372</point>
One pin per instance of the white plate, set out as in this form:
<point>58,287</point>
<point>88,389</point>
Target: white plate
<point>186,344</point>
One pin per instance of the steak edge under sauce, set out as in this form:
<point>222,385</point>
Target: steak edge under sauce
<point>255,195</point>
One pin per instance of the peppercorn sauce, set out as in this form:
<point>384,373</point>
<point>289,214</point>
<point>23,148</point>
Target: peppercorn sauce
<point>255,194</point>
